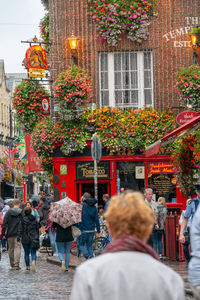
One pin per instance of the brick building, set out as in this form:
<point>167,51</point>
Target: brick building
<point>128,74</point>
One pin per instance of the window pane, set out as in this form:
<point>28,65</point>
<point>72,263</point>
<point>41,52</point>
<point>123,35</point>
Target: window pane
<point>105,98</point>
<point>125,61</point>
<point>126,80</point>
<point>148,97</point>
<point>117,62</point>
<point>104,80</point>
<point>126,97</point>
<point>134,80</point>
<point>147,79</point>
<point>134,98</point>
<point>118,98</point>
<point>104,62</point>
<point>117,80</point>
<point>133,57</point>
<point>147,60</point>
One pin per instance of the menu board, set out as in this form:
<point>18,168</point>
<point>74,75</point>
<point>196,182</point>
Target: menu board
<point>161,180</point>
<point>161,184</point>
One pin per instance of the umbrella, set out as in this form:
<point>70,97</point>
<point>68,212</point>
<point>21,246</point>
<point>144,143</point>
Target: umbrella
<point>35,198</point>
<point>66,212</point>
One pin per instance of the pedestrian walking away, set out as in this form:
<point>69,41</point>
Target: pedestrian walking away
<point>10,230</point>
<point>52,233</point>
<point>64,240</point>
<point>89,222</point>
<point>28,235</point>
<point>128,268</point>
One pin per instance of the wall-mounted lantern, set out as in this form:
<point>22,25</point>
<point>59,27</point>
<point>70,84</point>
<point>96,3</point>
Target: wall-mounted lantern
<point>195,39</point>
<point>73,43</point>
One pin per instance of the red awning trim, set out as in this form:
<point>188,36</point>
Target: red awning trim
<point>179,132</point>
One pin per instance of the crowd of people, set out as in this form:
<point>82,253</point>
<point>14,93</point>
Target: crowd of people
<point>136,225</point>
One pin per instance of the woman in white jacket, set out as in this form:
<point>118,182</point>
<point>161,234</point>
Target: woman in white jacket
<point>129,268</point>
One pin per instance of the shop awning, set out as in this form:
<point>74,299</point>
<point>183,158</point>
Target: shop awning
<point>179,132</point>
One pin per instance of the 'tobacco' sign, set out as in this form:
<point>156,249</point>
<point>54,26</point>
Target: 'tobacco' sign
<point>185,116</point>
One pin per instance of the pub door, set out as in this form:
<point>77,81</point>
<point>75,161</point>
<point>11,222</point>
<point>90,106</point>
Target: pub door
<point>103,188</point>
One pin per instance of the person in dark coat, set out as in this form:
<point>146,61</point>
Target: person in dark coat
<point>28,235</point>
<point>11,223</point>
<point>43,211</point>
<point>87,226</point>
<point>64,241</point>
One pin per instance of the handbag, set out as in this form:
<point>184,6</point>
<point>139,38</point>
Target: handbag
<point>46,241</point>
<point>35,244</point>
<point>75,232</point>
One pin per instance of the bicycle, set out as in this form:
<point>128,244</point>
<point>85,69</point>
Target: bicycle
<point>100,243</point>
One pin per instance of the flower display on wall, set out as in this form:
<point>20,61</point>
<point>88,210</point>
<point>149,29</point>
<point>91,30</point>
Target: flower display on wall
<point>44,140</point>
<point>72,92</point>
<point>186,159</point>
<point>188,86</point>
<point>114,18</point>
<point>27,103</point>
<point>74,137</point>
<point>132,129</point>
<point>44,31</point>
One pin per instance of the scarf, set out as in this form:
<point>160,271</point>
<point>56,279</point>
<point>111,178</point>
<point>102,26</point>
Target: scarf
<point>129,243</point>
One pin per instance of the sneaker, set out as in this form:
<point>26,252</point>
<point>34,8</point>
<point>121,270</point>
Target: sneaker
<point>33,266</point>
<point>28,268</point>
<point>66,269</point>
<point>4,249</point>
<point>17,268</point>
<point>63,266</point>
<point>160,256</point>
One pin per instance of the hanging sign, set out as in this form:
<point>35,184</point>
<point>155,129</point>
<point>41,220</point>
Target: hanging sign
<point>185,116</point>
<point>160,168</point>
<point>36,61</point>
<point>45,106</point>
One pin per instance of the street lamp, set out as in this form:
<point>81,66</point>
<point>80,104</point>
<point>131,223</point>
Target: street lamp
<point>195,39</point>
<point>73,43</point>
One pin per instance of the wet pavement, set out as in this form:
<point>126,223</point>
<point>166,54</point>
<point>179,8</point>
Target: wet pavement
<point>48,283</point>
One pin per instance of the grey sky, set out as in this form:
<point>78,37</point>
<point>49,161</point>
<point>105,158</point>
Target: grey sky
<point>19,20</point>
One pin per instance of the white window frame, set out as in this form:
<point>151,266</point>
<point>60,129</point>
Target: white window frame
<point>111,81</point>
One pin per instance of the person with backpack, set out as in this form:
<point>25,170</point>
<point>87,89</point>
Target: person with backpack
<point>192,205</point>
<point>28,235</point>
<point>161,213</point>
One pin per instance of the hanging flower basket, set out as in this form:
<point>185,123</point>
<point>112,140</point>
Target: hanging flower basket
<point>188,86</point>
<point>72,92</point>
<point>114,18</point>
<point>27,103</point>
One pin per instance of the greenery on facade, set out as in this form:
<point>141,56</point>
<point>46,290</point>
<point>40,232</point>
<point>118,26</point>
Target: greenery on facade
<point>195,30</point>
<point>188,86</point>
<point>45,3</point>
<point>115,18</point>
<point>44,31</point>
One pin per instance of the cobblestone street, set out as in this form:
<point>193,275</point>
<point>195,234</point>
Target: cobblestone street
<point>48,283</point>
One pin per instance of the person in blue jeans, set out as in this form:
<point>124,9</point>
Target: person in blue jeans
<point>28,232</point>
<point>87,226</point>
<point>64,241</point>
<point>52,234</point>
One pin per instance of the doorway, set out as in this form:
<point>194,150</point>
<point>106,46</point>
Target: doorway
<point>103,188</point>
